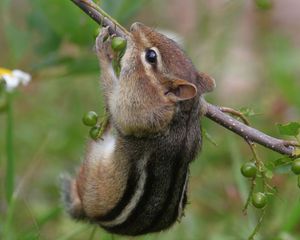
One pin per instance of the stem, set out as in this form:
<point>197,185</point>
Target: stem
<point>9,179</point>
<point>245,208</point>
<point>103,125</point>
<point>255,231</point>
<point>259,164</point>
<point>248,133</point>
<point>8,223</point>
<point>101,17</point>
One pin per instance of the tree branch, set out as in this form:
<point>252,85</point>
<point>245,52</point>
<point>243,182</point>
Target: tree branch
<point>210,111</point>
<point>248,133</point>
<point>101,17</point>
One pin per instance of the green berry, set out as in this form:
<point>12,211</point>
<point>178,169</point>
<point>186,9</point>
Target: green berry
<point>90,118</point>
<point>259,200</point>
<point>249,170</point>
<point>118,44</point>
<point>94,132</point>
<point>296,166</point>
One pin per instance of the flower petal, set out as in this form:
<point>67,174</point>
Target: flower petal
<point>23,77</point>
<point>11,82</point>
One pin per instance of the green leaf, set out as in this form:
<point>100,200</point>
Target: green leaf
<point>296,152</point>
<point>281,161</point>
<point>247,112</point>
<point>290,129</point>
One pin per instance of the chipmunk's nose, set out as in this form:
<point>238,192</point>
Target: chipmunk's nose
<point>135,26</point>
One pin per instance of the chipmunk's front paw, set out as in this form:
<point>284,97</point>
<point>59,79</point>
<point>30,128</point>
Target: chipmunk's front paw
<point>103,45</point>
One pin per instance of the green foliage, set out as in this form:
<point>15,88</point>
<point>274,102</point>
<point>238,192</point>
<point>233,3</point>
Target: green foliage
<point>289,129</point>
<point>264,4</point>
<point>247,112</point>
<point>122,10</point>
<point>67,26</point>
<point>283,62</point>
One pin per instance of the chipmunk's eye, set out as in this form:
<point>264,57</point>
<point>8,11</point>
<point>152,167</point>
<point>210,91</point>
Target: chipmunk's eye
<point>151,56</point>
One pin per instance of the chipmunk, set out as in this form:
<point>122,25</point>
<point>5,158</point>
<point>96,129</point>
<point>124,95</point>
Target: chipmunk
<point>134,180</point>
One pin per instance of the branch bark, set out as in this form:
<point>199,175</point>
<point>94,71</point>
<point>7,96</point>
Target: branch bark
<point>210,111</point>
<point>248,133</point>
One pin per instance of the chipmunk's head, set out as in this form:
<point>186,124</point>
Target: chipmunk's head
<point>159,75</point>
<point>162,59</point>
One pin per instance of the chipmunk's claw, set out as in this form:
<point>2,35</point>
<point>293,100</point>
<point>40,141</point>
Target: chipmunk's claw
<point>103,44</point>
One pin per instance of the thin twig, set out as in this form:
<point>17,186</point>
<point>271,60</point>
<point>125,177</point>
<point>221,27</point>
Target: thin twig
<point>235,113</point>
<point>248,201</point>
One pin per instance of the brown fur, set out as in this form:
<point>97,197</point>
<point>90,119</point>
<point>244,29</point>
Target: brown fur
<point>154,113</point>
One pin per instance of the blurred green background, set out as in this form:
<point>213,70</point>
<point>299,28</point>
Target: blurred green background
<point>251,48</point>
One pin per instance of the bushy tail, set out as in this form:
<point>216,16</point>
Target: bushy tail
<point>70,197</point>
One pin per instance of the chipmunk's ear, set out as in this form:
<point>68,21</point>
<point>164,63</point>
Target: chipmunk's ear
<point>179,89</point>
<point>207,83</point>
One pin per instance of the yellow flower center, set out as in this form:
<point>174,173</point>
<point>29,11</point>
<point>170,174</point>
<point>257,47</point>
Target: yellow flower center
<point>4,71</point>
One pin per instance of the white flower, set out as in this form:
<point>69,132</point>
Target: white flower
<point>14,78</point>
